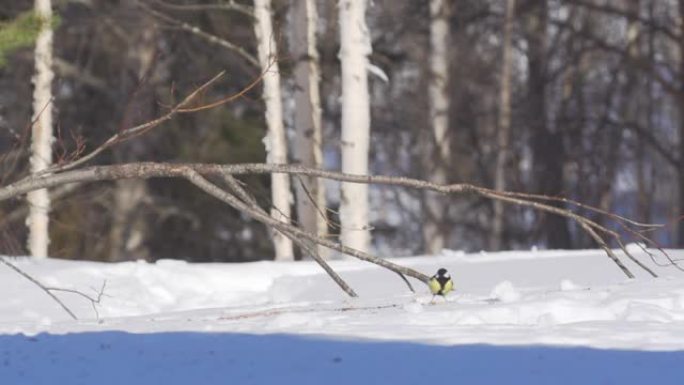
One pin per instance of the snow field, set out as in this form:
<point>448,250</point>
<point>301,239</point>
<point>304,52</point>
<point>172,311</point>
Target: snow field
<point>538,317</point>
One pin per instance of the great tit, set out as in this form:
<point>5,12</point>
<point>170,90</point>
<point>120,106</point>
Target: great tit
<point>441,283</point>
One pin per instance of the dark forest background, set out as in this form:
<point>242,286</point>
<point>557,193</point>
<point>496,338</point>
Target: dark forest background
<point>597,116</point>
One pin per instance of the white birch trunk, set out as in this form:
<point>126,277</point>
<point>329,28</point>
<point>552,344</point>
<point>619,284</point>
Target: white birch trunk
<point>41,133</point>
<point>504,132</point>
<point>275,140</point>
<point>438,99</point>
<point>310,192</point>
<point>354,50</point>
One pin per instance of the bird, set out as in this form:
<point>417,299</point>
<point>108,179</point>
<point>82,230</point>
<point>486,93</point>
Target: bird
<point>440,283</point>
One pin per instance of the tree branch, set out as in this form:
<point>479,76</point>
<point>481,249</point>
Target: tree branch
<point>47,290</point>
<point>135,131</point>
<point>251,201</point>
<point>230,5</point>
<point>192,171</point>
<point>204,35</point>
<point>198,180</point>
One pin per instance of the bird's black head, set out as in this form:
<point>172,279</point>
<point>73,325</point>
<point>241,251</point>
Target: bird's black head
<point>442,272</point>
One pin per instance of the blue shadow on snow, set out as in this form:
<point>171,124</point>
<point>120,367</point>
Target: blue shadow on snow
<point>226,358</point>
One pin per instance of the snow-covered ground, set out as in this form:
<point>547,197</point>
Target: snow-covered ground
<point>536,317</point>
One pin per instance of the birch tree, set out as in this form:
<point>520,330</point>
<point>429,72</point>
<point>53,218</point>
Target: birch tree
<point>438,99</point>
<point>504,126</point>
<point>354,50</point>
<point>310,192</point>
<point>41,132</point>
<point>275,141</point>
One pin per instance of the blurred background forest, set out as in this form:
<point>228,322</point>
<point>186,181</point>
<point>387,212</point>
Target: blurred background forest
<point>597,115</point>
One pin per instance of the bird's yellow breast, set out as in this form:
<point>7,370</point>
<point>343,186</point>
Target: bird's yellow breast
<point>438,288</point>
<point>434,285</point>
<point>448,286</point>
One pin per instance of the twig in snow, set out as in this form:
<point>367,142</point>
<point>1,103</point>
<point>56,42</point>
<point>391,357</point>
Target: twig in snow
<point>40,285</point>
<point>93,301</point>
<point>49,290</point>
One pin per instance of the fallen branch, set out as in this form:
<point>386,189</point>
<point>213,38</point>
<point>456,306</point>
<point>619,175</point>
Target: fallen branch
<point>49,290</point>
<point>198,180</point>
<point>234,185</point>
<point>93,301</point>
<point>195,172</point>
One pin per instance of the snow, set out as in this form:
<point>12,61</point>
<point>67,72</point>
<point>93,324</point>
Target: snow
<point>533,317</point>
<point>505,292</point>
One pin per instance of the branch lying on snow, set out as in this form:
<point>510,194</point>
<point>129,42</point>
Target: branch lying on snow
<point>93,300</point>
<point>248,199</point>
<point>195,173</point>
<point>49,290</point>
<point>287,229</point>
<point>198,180</point>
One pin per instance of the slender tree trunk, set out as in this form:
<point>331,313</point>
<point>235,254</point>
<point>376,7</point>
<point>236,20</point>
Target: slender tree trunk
<point>41,133</point>
<point>548,152</point>
<point>129,230</point>
<point>645,174</point>
<point>504,132</point>
<point>680,228</point>
<point>310,192</point>
<point>275,140</point>
<point>354,50</point>
<point>438,152</point>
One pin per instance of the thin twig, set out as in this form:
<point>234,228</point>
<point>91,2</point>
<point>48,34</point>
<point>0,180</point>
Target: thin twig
<point>231,5</point>
<point>204,35</point>
<point>40,285</point>
<point>135,131</point>
<point>93,301</point>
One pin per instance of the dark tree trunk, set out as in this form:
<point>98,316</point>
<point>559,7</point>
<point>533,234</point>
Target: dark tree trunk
<point>680,171</point>
<point>548,153</point>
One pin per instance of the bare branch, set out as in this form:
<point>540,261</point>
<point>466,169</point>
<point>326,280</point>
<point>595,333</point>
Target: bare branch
<point>198,180</point>
<point>137,130</point>
<point>165,170</point>
<point>47,290</point>
<point>629,15</point>
<point>305,246</point>
<point>230,5</point>
<point>93,301</point>
<point>204,35</point>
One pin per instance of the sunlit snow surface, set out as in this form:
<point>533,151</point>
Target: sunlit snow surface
<point>535,317</point>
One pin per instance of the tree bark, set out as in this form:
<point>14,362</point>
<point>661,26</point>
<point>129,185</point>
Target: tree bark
<point>310,192</point>
<point>680,224</point>
<point>129,231</point>
<point>439,152</point>
<point>41,132</point>
<point>275,140</point>
<point>548,152</point>
<point>354,50</point>
<point>504,123</point>
<point>645,173</point>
